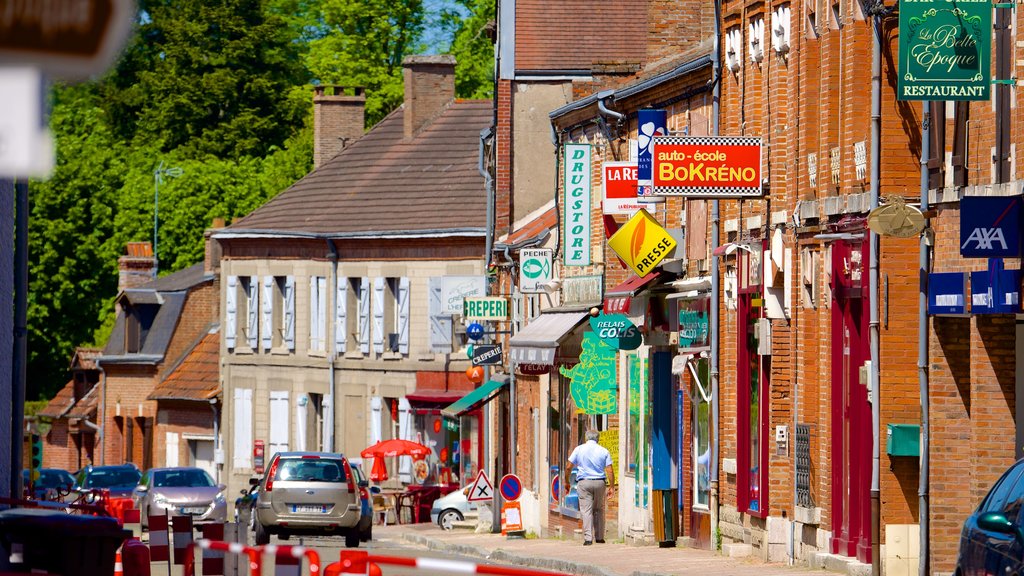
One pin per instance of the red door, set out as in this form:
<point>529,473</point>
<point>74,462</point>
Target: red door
<point>851,409</point>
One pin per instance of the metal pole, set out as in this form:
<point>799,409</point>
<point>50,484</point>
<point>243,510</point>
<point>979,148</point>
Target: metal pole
<point>20,331</point>
<point>715,291</point>
<point>876,145</point>
<point>922,346</point>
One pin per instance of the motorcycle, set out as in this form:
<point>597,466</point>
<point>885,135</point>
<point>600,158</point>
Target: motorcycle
<point>245,505</point>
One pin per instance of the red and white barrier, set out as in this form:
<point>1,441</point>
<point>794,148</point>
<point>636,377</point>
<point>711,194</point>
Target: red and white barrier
<point>361,562</point>
<point>135,558</point>
<point>181,526</point>
<point>213,560</point>
<point>131,519</point>
<point>118,566</point>
<point>159,548</point>
<point>284,564</point>
<point>255,555</point>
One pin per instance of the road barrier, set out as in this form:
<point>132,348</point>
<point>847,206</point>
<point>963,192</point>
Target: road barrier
<point>361,562</point>
<point>285,556</point>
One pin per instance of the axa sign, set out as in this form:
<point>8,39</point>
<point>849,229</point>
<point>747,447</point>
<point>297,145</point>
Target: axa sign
<point>990,226</point>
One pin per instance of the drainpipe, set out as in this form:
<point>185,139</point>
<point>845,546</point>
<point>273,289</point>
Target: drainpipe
<point>216,437</point>
<point>103,412</point>
<point>922,346</point>
<point>604,110</point>
<point>876,146</point>
<point>716,98</point>
<point>332,343</point>
<point>488,183</point>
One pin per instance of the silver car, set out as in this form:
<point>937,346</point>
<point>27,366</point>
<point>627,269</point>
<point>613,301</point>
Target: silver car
<point>180,491</point>
<point>308,493</point>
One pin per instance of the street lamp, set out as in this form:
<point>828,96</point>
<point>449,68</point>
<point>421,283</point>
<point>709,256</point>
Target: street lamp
<point>158,179</point>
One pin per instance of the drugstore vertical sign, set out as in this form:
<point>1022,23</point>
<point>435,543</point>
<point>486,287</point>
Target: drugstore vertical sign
<point>577,204</point>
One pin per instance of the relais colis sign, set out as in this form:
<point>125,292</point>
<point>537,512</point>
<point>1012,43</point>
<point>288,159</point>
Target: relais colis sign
<point>642,243</point>
<point>707,166</point>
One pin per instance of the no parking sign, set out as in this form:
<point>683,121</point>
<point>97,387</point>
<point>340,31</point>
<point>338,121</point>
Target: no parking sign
<point>511,487</point>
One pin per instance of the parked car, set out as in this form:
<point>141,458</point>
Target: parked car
<point>451,508</point>
<point>181,491</point>
<point>52,483</point>
<point>366,509</point>
<point>119,479</point>
<point>992,540</point>
<point>308,493</point>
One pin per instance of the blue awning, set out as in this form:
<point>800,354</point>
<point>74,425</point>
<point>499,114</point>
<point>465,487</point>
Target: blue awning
<point>482,395</point>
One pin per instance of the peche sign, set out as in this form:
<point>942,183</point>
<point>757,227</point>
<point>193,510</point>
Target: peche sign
<point>708,167</point>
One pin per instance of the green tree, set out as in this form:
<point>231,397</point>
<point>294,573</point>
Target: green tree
<point>473,48</point>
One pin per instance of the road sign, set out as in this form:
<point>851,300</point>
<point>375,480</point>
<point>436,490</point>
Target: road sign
<point>489,354</point>
<point>481,490</point>
<point>511,487</point>
<point>511,517</point>
<point>65,39</point>
<point>534,269</point>
<point>475,331</point>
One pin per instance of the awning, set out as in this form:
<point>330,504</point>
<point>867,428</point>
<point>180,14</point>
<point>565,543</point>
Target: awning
<point>617,299</point>
<point>487,391</point>
<point>537,342</point>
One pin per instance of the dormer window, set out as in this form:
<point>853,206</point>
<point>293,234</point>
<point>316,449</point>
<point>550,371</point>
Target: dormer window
<point>138,319</point>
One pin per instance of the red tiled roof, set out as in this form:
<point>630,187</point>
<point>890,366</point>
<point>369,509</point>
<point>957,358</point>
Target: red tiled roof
<point>534,228</point>
<point>86,407</point>
<point>61,402</point>
<point>197,377</point>
<point>85,358</point>
<point>576,34</point>
<point>386,183</point>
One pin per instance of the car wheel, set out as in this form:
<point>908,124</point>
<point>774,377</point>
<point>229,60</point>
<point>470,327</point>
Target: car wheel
<point>262,536</point>
<point>352,538</point>
<point>448,518</point>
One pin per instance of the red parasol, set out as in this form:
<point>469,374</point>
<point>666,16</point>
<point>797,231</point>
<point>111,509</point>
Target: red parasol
<point>379,472</point>
<point>395,447</point>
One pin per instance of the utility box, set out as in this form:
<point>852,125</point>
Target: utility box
<point>903,440</point>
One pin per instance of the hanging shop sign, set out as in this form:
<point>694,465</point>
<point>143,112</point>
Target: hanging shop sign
<point>532,369</point>
<point>652,124</point>
<point>947,293</point>
<point>995,291</point>
<point>619,184</point>
<point>534,269</point>
<point>945,50</point>
<point>593,387</point>
<point>454,289</point>
<point>582,290</point>
<point>616,331</point>
<point>489,354</point>
<point>694,318</point>
<point>990,226</point>
<point>642,243</point>
<point>577,204</point>
<point>489,308</point>
<point>708,166</point>
<point>896,219</point>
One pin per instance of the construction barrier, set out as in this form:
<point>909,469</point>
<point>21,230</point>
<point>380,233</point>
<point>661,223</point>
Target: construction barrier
<point>213,560</point>
<point>284,555</point>
<point>135,558</point>
<point>361,562</point>
<point>131,519</point>
<point>181,526</point>
<point>159,546</point>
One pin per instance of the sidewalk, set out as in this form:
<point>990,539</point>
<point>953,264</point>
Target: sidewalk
<point>571,557</point>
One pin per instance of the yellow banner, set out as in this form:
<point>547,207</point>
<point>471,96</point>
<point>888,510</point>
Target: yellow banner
<point>642,243</point>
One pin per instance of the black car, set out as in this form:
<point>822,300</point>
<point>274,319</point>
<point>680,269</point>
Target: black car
<point>52,483</point>
<point>992,540</point>
<point>120,479</point>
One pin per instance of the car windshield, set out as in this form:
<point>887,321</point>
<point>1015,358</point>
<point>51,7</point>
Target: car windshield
<point>112,478</point>
<point>308,470</point>
<point>54,479</point>
<point>181,479</point>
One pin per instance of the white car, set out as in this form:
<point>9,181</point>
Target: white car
<point>451,508</point>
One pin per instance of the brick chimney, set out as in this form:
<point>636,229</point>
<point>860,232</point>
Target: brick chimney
<point>429,89</point>
<point>338,120</point>
<point>136,267</point>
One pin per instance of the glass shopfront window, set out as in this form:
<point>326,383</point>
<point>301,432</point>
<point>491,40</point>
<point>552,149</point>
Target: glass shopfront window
<point>566,432</point>
<point>700,396</point>
<point>752,381</point>
<point>453,458</point>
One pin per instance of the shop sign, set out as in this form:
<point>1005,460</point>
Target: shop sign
<point>594,386</point>
<point>534,269</point>
<point>582,290</point>
<point>947,293</point>
<point>995,291</point>
<point>896,219</point>
<point>990,226</point>
<point>694,317</point>
<point>620,187</point>
<point>616,331</point>
<point>455,288</point>
<point>642,243</point>
<point>489,354</point>
<point>533,369</point>
<point>945,49</point>
<point>708,166</point>
<point>490,308</point>
<point>617,304</point>
<point>577,204</point>
<point>652,124</point>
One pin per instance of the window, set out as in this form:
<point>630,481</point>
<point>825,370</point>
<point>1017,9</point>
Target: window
<point>566,433</point>
<point>317,313</point>
<point>278,297</point>
<point>391,315</point>
<point>242,421</point>
<point>241,313</point>
<point>997,496</point>
<point>279,428</point>
<point>700,398</point>
<point>752,412</point>
<point>138,319</point>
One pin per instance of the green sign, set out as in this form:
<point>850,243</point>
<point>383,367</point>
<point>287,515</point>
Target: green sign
<point>694,316</point>
<point>616,331</point>
<point>490,308</point>
<point>945,50</point>
<point>594,386</point>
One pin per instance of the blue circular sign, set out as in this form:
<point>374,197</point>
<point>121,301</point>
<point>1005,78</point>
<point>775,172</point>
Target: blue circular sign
<point>475,331</point>
<point>511,487</point>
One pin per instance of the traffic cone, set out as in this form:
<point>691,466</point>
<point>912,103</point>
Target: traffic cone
<point>118,567</point>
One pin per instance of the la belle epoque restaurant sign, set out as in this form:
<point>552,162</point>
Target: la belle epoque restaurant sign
<point>945,50</point>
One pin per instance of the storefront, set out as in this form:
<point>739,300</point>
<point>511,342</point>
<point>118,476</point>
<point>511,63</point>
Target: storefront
<point>459,425</point>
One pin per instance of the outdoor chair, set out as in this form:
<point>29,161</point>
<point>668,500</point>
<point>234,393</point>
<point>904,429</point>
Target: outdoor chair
<point>382,505</point>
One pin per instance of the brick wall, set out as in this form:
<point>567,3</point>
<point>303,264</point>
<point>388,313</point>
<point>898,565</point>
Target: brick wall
<point>195,418</point>
<point>429,89</point>
<point>338,121</point>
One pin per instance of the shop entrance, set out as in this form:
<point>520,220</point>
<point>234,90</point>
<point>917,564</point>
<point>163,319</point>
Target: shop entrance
<point>851,409</point>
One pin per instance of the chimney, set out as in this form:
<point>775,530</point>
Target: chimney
<point>136,267</point>
<point>429,89</point>
<point>211,248</point>
<point>338,120</point>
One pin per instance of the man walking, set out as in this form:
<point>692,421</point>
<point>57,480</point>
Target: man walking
<point>591,460</point>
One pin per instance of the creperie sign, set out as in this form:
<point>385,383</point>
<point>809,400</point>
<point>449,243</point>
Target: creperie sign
<point>707,166</point>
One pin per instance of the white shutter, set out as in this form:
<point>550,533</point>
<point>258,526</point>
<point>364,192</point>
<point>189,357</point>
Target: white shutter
<point>300,422</point>
<point>341,316</point>
<point>252,322</point>
<point>375,409</point>
<point>289,312</point>
<point>172,450</point>
<point>327,426</point>
<point>267,329</point>
<point>440,323</point>
<point>378,315</point>
<point>321,312</point>
<point>314,325</point>
<point>405,433</point>
<point>231,312</point>
<point>403,316</point>
<point>242,447</point>
<point>278,423</point>
<point>364,315</point>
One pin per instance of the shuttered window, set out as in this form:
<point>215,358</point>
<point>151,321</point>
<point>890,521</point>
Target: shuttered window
<point>937,145</point>
<point>242,431</point>
<point>440,327</point>
<point>961,114</point>
<point>279,430</point>
<point>230,312</point>
<point>317,313</point>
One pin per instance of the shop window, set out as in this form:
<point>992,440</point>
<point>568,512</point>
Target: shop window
<point>566,432</point>
<point>752,410</point>
<point>638,433</point>
<point>700,398</point>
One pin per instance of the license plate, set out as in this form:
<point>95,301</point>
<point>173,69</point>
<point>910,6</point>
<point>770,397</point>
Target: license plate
<point>309,508</point>
<point>194,510</point>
